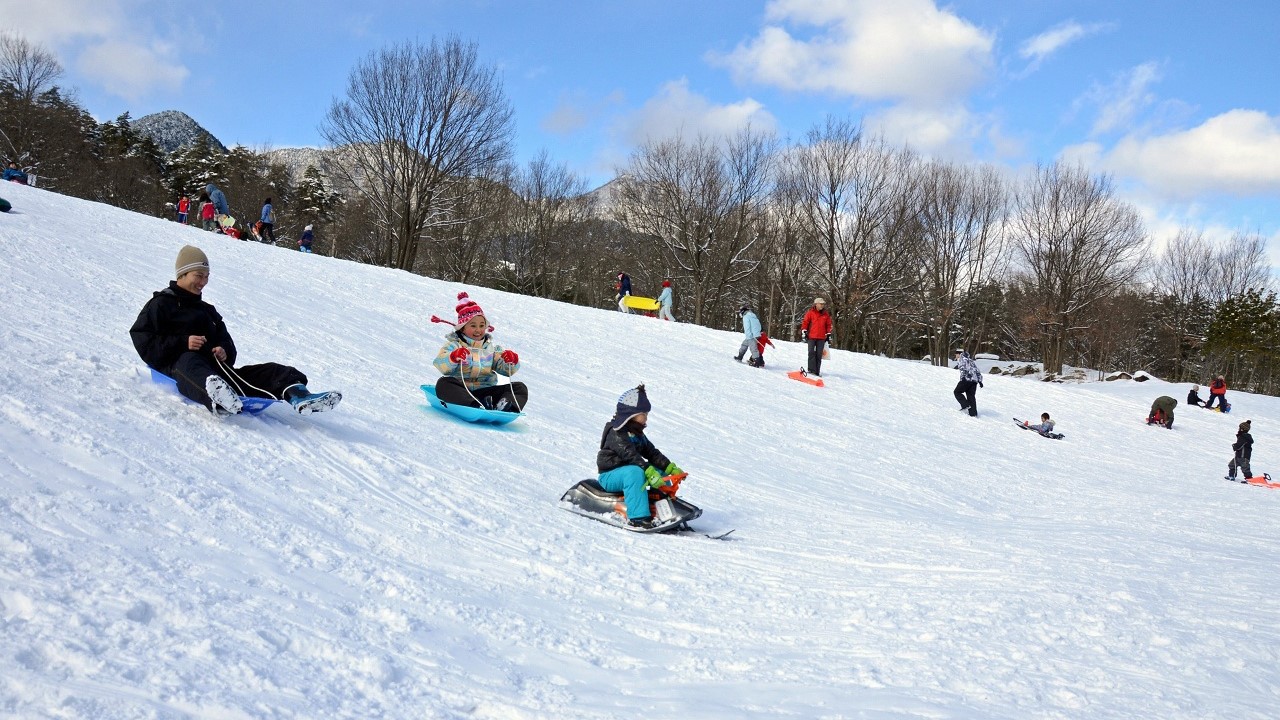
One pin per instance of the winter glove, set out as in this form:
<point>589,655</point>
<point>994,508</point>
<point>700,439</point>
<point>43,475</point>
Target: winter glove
<point>653,478</point>
<point>510,357</point>
<point>459,356</point>
<point>673,469</point>
<point>979,383</point>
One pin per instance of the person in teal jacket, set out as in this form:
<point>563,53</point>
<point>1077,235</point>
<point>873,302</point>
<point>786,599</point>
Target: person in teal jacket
<point>750,333</point>
<point>664,302</point>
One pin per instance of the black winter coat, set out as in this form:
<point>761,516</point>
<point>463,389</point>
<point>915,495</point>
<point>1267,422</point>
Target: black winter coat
<point>172,316</point>
<point>619,448</point>
<point>1243,445</point>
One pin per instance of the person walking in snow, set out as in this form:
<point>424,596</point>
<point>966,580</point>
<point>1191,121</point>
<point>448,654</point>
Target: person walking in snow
<point>268,222</point>
<point>627,461</point>
<point>219,200</point>
<point>304,243</point>
<point>966,391</point>
<point>624,289</point>
<point>184,337</point>
<point>750,337</point>
<point>1243,447</point>
<point>1162,411</point>
<point>761,342</point>
<point>1218,394</point>
<point>184,205</point>
<point>815,331</point>
<point>664,302</point>
<point>471,362</point>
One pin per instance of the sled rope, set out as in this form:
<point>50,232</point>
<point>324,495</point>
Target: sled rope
<point>233,377</point>
<point>461,377</point>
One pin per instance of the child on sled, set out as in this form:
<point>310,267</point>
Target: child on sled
<point>471,362</point>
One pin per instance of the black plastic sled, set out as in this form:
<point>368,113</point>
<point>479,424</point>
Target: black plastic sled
<point>588,499</point>
<point>1050,435</point>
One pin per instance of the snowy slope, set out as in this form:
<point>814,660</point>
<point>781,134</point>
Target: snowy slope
<point>894,558</point>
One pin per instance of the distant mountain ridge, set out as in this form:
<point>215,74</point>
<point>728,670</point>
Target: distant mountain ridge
<point>173,129</point>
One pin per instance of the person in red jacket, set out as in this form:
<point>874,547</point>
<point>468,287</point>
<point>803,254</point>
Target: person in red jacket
<point>815,329</point>
<point>1218,393</point>
<point>184,204</point>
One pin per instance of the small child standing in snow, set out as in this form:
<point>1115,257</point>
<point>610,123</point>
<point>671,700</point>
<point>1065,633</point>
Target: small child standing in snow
<point>471,362</point>
<point>1045,426</point>
<point>1244,450</point>
<point>664,302</point>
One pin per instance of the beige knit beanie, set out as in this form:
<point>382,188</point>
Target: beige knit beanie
<point>190,258</point>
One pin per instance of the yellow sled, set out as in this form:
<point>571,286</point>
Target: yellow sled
<point>636,302</point>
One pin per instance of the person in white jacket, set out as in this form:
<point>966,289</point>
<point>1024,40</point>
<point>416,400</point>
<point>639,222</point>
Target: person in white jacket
<point>750,332</point>
<point>664,302</point>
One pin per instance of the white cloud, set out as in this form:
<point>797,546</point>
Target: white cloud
<point>1237,152</point>
<point>946,133</point>
<point>1037,48</point>
<point>103,40</point>
<point>675,110</point>
<point>908,49</point>
<point>1119,102</point>
<point>130,70</point>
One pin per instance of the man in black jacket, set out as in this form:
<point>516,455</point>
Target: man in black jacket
<point>628,462</point>
<point>184,337</point>
<point>1244,450</point>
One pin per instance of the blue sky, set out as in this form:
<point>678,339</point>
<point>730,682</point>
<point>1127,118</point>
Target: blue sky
<point>1178,100</point>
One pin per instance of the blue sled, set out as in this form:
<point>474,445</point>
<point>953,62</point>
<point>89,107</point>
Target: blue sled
<point>470,414</point>
<point>252,405</point>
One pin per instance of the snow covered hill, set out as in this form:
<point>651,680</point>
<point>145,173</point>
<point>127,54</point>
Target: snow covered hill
<point>893,558</point>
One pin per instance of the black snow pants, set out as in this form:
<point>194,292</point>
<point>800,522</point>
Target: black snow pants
<point>815,356</point>
<point>451,390</point>
<point>1239,462</point>
<point>967,396</point>
<point>267,380</point>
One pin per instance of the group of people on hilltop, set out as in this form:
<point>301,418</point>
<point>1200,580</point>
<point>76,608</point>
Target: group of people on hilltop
<point>622,286</point>
<point>215,216</point>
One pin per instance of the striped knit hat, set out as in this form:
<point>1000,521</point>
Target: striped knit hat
<point>467,309</point>
<point>190,258</point>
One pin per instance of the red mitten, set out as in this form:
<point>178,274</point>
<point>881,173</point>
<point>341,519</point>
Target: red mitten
<point>459,355</point>
<point>510,357</point>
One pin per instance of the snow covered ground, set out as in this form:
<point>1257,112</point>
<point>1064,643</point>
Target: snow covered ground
<point>894,558</point>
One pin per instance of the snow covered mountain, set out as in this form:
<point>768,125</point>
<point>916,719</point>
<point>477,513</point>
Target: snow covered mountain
<point>894,558</point>
<point>172,129</point>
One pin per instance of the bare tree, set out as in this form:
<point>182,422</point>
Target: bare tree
<point>858,206</point>
<point>28,70</point>
<point>1183,276</point>
<point>703,203</point>
<point>1239,265</point>
<point>962,218</point>
<point>419,125</point>
<point>550,204</point>
<point>1079,243</point>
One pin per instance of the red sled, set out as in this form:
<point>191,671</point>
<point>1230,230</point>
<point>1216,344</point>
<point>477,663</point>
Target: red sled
<point>803,377</point>
<point>1263,480</point>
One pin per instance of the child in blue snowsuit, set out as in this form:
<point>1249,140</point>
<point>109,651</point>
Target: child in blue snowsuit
<point>750,335</point>
<point>627,461</point>
<point>307,238</point>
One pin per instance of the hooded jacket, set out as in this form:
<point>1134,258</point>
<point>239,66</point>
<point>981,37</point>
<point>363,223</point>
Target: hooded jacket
<point>169,319</point>
<point>218,199</point>
<point>816,324</point>
<point>622,447</point>
<point>1243,445</point>
<point>969,371</point>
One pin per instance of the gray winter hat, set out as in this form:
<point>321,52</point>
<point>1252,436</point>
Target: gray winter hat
<point>190,258</point>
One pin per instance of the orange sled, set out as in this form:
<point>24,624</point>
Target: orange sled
<point>803,377</point>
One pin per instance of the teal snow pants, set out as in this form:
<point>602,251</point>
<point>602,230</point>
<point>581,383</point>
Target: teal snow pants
<point>628,479</point>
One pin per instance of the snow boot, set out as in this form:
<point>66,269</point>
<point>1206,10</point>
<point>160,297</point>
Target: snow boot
<point>222,399</point>
<point>307,402</point>
<point>502,405</point>
<point>645,522</point>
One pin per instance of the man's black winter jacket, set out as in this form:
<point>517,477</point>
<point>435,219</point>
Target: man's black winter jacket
<point>169,318</point>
